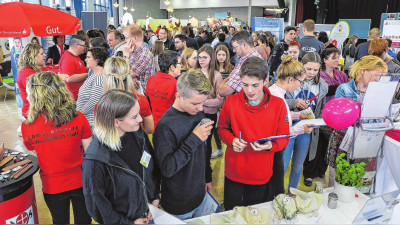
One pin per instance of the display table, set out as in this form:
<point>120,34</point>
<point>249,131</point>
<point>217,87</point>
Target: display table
<point>343,214</point>
<point>388,168</point>
<point>17,196</point>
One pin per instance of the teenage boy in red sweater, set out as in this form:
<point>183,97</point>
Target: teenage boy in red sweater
<point>251,114</point>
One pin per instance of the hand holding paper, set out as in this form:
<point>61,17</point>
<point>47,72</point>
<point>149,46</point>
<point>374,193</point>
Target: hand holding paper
<point>261,147</point>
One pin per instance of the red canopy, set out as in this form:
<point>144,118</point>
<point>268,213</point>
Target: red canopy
<point>17,19</point>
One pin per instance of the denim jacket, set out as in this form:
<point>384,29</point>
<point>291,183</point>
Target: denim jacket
<point>348,90</point>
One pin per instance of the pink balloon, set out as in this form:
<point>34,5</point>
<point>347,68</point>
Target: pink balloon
<point>340,113</point>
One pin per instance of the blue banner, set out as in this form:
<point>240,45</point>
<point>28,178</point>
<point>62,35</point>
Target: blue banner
<point>274,25</point>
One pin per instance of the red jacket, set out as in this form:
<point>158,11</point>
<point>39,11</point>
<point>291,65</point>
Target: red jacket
<point>254,122</point>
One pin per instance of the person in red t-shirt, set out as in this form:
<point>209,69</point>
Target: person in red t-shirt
<point>116,76</point>
<point>250,115</point>
<point>59,135</point>
<point>31,60</point>
<point>161,87</point>
<point>72,67</point>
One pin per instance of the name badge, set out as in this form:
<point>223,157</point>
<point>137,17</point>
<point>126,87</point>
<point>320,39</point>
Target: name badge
<point>145,159</point>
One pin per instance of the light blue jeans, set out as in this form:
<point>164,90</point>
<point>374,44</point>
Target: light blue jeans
<point>190,215</point>
<point>299,146</point>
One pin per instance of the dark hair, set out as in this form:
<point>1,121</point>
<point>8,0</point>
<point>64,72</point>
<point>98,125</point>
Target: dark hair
<point>185,30</point>
<point>55,38</point>
<point>254,67</point>
<point>263,39</point>
<point>181,37</point>
<point>323,37</point>
<point>289,28</point>
<point>94,33</point>
<point>221,37</point>
<point>76,39</point>
<point>224,29</point>
<point>243,36</point>
<point>389,42</point>
<point>211,66</point>
<point>314,58</point>
<point>166,59</point>
<point>326,53</point>
<point>111,27</point>
<point>232,27</point>
<point>100,54</point>
<point>117,35</point>
<point>99,42</point>
<point>35,38</point>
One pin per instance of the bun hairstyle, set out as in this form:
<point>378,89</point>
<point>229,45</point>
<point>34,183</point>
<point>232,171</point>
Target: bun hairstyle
<point>290,68</point>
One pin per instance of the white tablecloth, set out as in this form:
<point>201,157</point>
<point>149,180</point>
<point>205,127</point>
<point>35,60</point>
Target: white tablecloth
<point>343,214</point>
<point>388,168</point>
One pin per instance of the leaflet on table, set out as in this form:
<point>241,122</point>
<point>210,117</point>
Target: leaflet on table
<point>315,122</point>
<point>162,217</point>
<point>210,206</point>
<point>272,138</point>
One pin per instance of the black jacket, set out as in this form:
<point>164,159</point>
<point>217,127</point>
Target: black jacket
<point>53,53</point>
<point>113,193</point>
<point>276,56</point>
<point>184,161</point>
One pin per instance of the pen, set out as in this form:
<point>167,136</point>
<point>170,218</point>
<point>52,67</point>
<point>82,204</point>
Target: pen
<point>240,139</point>
<point>373,218</point>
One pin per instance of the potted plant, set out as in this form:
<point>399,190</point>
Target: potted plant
<point>348,177</point>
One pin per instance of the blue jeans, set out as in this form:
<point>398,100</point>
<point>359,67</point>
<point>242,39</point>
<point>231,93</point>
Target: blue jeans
<point>300,144</point>
<point>190,215</point>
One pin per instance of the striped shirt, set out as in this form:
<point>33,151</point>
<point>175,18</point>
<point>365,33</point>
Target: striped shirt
<point>141,62</point>
<point>89,94</point>
<point>235,82</point>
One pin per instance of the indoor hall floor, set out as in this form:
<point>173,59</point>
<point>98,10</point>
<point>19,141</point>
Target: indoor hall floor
<point>9,122</point>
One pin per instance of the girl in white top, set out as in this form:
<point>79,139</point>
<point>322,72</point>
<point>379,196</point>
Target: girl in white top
<point>291,74</point>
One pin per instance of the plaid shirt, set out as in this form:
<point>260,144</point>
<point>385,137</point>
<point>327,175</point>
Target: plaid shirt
<point>141,62</point>
<point>234,79</point>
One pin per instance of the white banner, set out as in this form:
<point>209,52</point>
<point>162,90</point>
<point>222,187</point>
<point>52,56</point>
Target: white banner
<point>339,34</point>
<point>391,30</point>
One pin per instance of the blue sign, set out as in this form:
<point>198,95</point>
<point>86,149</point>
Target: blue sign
<point>358,27</point>
<point>274,25</point>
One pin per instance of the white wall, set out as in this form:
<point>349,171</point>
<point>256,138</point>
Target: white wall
<point>192,4</point>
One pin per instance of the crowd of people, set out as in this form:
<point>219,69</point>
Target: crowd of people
<point>91,123</point>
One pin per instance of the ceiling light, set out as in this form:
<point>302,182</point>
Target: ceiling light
<point>116,5</point>
<point>167,2</point>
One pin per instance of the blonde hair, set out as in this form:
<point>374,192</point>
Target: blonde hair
<point>134,31</point>
<point>186,54</point>
<point>193,82</point>
<point>116,75</point>
<point>227,64</point>
<point>28,57</point>
<point>114,104</point>
<point>290,68</point>
<point>50,98</point>
<point>374,33</point>
<point>368,62</point>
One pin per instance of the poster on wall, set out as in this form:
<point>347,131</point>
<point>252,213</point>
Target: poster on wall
<point>274,25</point>
<point>16,47</point>
<point>391,30</point>
<point>339,33</point>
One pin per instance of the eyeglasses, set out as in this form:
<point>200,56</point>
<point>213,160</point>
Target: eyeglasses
<point>82,45</point>
<point>179,63</point>
<point>301,81</point>
<point>234,47</point>
<point>201,58</point>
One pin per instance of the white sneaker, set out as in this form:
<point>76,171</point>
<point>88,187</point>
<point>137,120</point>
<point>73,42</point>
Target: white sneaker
<point>217,154</point>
